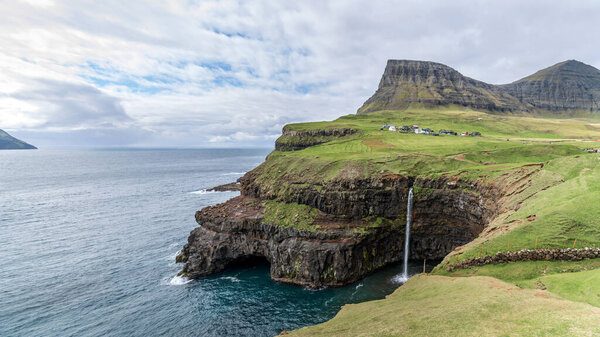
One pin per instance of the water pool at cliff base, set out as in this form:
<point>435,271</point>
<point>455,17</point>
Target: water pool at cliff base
<point>88,241</point>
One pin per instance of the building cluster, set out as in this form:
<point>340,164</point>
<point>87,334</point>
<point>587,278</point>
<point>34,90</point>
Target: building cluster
<point>426,131</point>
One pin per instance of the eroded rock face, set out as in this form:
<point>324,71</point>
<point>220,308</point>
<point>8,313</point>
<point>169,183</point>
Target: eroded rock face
<point>292,140</point>
<point>448,212</point>
<point>234,231</point>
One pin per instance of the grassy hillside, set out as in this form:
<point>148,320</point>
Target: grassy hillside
<point>475,306</point>
<point>508,141</point>
<point>558,208</point>
<point>8,142</point>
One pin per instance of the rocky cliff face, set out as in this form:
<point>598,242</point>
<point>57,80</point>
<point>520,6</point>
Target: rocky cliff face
<point>235,232</point>
<point>292,140</point>
<point>360,227</point>
<point>569,87</point>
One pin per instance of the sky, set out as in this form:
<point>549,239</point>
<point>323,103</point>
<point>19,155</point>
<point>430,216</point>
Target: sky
<point>177,73</point>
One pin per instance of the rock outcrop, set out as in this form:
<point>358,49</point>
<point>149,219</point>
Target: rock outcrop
<point>567,88</point>
<point>234,232</point>
<point>292,140</point>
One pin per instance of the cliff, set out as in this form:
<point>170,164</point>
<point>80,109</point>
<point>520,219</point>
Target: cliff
<point>8,142</point>
<point>567,88</point>
<point>350,226</point>
<point>340,245</point>
<point>328,205</point>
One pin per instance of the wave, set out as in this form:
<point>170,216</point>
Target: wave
<point>231,278</point>
<point>203,191</point>
<point>233,174</point>
<point>179,280</point>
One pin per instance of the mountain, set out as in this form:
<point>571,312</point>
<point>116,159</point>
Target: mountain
<point>430,84</point>
<point>568,88</point>
<point>8,142</point>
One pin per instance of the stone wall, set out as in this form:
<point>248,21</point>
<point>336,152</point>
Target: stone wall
<point>568,254</point>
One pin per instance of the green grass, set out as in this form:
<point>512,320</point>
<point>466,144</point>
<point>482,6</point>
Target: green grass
<point>297,216</point>
<point>567,211</point>
<point>475,306</point>
<point>581,287</point>
<point>576,280</point>
<point>507,142</point>
<point>557,204</point>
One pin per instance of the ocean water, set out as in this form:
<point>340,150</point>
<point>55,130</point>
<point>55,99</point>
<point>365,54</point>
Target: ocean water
<point>88,241</point>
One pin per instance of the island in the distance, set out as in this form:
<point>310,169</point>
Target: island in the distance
<point>506,182</point>
<point>8,142</point>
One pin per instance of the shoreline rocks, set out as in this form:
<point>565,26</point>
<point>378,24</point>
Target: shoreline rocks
<point>234,186</point>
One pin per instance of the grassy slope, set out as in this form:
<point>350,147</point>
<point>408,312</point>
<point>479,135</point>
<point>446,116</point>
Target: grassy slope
<point>476,306</point>
<point>566,211</point>
<point>9,142</point>
<point>529,142</point>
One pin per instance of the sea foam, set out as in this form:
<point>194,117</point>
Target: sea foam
<point>231,278</point>
<point>203,191</point>
<point>233,174</point>
<point>179,280</point>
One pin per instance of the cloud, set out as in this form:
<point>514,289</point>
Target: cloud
<point>71,105</point>
<point>232,73</point>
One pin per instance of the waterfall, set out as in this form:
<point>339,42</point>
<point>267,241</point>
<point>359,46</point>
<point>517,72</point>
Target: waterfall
<point>407,234</point>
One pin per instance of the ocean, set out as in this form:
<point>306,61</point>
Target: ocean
<point>88,240</point>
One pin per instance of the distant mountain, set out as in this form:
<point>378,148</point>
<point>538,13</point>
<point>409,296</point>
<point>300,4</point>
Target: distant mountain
<point>8,142</point>
<point>568,88</point>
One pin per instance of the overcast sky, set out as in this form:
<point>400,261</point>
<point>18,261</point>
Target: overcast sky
<point>190,73</point>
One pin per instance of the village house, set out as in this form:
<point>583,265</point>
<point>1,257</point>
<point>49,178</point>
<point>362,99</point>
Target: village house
<point>389,127</point>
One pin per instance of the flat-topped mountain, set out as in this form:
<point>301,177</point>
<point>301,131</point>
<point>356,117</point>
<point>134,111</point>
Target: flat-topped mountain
<point>8,142</point>
<point>569,88</point>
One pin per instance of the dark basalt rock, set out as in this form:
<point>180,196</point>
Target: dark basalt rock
<point>315,259</point>
<point>448,212</point>
<point>235,186</point>
<point>292,140</point>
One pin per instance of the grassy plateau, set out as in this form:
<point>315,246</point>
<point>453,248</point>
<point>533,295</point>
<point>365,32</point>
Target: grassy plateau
<point>559,208</point>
